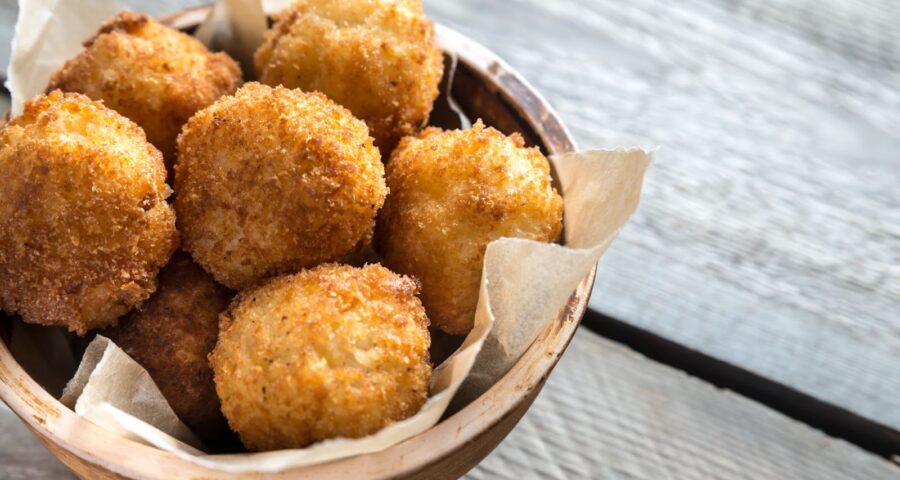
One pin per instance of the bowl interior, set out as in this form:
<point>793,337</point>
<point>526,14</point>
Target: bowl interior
<point>483,87</point>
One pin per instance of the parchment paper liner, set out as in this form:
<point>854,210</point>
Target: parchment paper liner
<point>524,284</point>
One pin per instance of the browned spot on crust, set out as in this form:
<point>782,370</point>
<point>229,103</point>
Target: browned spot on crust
<point>171,334</point>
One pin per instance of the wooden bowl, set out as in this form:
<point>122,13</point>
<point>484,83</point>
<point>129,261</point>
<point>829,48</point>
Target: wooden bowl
<point>484,87</point>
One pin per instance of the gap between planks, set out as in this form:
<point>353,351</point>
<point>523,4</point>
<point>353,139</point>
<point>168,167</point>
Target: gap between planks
<point>831,419</point>
<point>610,412</point>
<point>768,227</point>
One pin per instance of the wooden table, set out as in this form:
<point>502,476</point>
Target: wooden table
<point>751,310</point>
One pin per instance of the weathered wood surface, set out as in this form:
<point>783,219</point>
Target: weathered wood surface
<point>607,412</point>
<point>769,233</point>
<point>768,236</point>
<point>22,457</point>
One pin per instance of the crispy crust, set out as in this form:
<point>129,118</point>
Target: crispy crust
<point>379,59</point>
<point>270,181</point>
<point>154,75</point>
<point>171,334</point>
<point>84,223</point>
<point>452,193</point>
<point>336,351</point>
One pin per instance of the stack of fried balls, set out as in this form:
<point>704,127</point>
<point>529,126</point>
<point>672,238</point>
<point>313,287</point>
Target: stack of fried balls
<point>207,227</point>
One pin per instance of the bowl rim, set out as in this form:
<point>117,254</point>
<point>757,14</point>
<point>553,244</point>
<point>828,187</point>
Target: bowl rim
<point>67,434</point>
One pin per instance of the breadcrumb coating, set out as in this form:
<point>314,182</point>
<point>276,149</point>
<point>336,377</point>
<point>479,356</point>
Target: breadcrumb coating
<point>154,75</point>
<point>171,334</point>
<point>336,351</point>
<point>84,223</point>
<point>452,193</point>
<point>378,58</point>
<point>273,180</point>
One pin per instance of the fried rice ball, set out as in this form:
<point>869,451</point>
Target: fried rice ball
<point>84,223</point>
<point>452,193</point>
<point>273,180</point>
<point>378,58</point>
<point>171,334</point>
<point>154,75</point>
<point>336,351</point>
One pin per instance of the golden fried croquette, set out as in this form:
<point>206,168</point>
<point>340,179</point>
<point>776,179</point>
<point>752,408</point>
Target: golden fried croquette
<point>452,193</point>
<point>378,58</point>
<point>336,351</point>
<point>84,223</point>
<point>152,74</point>
<point>171,334</point>
<point>273,180</point>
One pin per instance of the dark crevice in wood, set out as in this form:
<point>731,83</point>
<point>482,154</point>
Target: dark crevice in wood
<point>834,421</point>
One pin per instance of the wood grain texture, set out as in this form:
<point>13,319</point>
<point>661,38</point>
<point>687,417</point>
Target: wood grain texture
<point>769,233</point>
<point>768,236</point>
<point>649,421</point>
<point>22,457</point>
<point>607,412</point>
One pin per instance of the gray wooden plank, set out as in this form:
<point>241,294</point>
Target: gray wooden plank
<point>22,457</point>
<point>769,233</point>
<point>766,232</point>
<point>607,412</point>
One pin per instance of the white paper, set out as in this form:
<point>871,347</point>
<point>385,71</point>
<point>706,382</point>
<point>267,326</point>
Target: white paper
<point>47,33</point>
<point>236,27</point>
<point>524,285</point>
<point>530,282</point>
<point>108,381</point>
<point>275,6</point>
